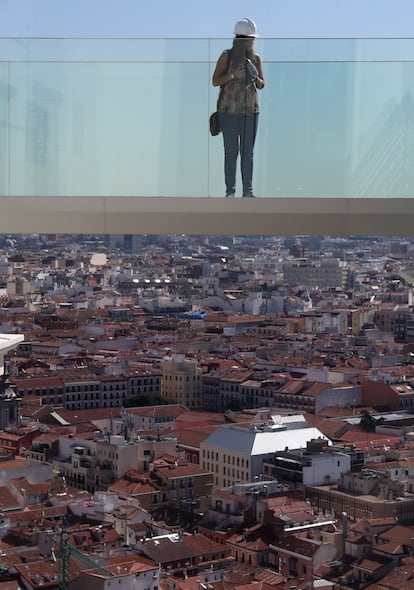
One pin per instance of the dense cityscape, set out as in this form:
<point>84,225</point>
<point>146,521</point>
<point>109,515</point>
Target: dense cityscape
<point>189,412</point>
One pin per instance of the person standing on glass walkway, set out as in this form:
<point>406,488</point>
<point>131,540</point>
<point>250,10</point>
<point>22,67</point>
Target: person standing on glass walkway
<point>239,74</point>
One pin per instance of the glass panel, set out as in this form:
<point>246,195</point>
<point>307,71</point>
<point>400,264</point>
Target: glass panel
<point>332,128</point>
<point>129,117</point>
<point>5,93</point>
<point>109,129</point>
<point>105,50</point>
<point>337,129</point>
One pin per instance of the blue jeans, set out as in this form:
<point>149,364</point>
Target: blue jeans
<point>239,134</point>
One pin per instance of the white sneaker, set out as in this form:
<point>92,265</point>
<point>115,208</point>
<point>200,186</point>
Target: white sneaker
<point>230,196</point>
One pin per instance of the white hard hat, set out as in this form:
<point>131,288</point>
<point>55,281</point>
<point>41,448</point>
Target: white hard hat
<point>245,27</point>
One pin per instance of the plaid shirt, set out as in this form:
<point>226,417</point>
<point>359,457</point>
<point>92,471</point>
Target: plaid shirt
<point>238,97</point>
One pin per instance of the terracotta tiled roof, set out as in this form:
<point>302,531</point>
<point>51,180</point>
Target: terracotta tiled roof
<point>193,438</point>
<point>358,540</point>
<point>401,577</point>
<point>79,416</point>
<point>298,545</point>
<point>181,470</point>
<point>333,429</point>
<point>251,545</point>
<point>372,562</point>
<point>201,545</point>
<point>375,524</point>
<point>291,387</point>
<point>190,417</point>
<point>368,440</point>
<point>284,505</point>
<point>7,500</point>
<point>133,483</point>
<point>37,514</point>
<point>45,573</point>
<point>170,410</point>
<point>15,463</point>
<point>164,550</point>
<point>31,489</point>
<point>396,540</point>
<point>33,382</point>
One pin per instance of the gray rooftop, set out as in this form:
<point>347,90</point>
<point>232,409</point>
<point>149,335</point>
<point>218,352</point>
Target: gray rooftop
<point>246,441</point>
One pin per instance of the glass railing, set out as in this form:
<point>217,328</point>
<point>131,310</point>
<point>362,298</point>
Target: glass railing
<point>129,117</point>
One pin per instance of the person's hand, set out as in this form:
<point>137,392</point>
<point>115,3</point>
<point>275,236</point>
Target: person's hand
<point>240,73</point>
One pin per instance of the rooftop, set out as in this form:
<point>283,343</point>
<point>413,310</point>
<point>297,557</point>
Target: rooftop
<point>246,441</point>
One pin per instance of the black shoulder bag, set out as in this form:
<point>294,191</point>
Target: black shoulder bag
<point>214,119</point>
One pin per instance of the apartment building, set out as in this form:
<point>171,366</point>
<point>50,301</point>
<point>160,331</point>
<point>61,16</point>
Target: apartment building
<point>326,273</point>
<point>46,390</point>
<point>182,381</point>
<point>95,462</point>
<point>82,390</point>
<point>114,390</point>
<point>13,440</point>
<point>334,321</point>
<point>396,396</point>
<point>73,389</point>
<point>315,465</point>
<point>222,385</point>
<point>157,418</point>
<point>297,558</point>
<point>143,380</point>
<point>368,494</point>
<point>137,486</point>
<point>182,481</point>
<point>139,575</point>
<point>236,453</point>
<point>404,326</point>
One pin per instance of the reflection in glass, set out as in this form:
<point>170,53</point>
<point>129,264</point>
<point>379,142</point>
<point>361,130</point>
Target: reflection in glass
<point>128,117</point>
<point>5,92</point>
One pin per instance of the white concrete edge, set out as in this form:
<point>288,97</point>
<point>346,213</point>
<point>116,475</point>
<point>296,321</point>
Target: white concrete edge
<point>207,216</point>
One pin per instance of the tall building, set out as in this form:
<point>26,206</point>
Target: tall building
<point>128,243</point>
<point>9,399</point>
<point>235,454</point>
<point>182,381</point>
<point>9,404</point>
<point>326,273</point>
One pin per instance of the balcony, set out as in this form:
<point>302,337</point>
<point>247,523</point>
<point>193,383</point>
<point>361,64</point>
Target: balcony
<point>111,136</point>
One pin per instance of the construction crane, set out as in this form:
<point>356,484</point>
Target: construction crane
<point>66,550</point>
<point>64,557</point>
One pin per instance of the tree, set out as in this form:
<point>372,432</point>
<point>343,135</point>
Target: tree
<point>146,399</point>
<point>235,405</point>
<point>368,422</point>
